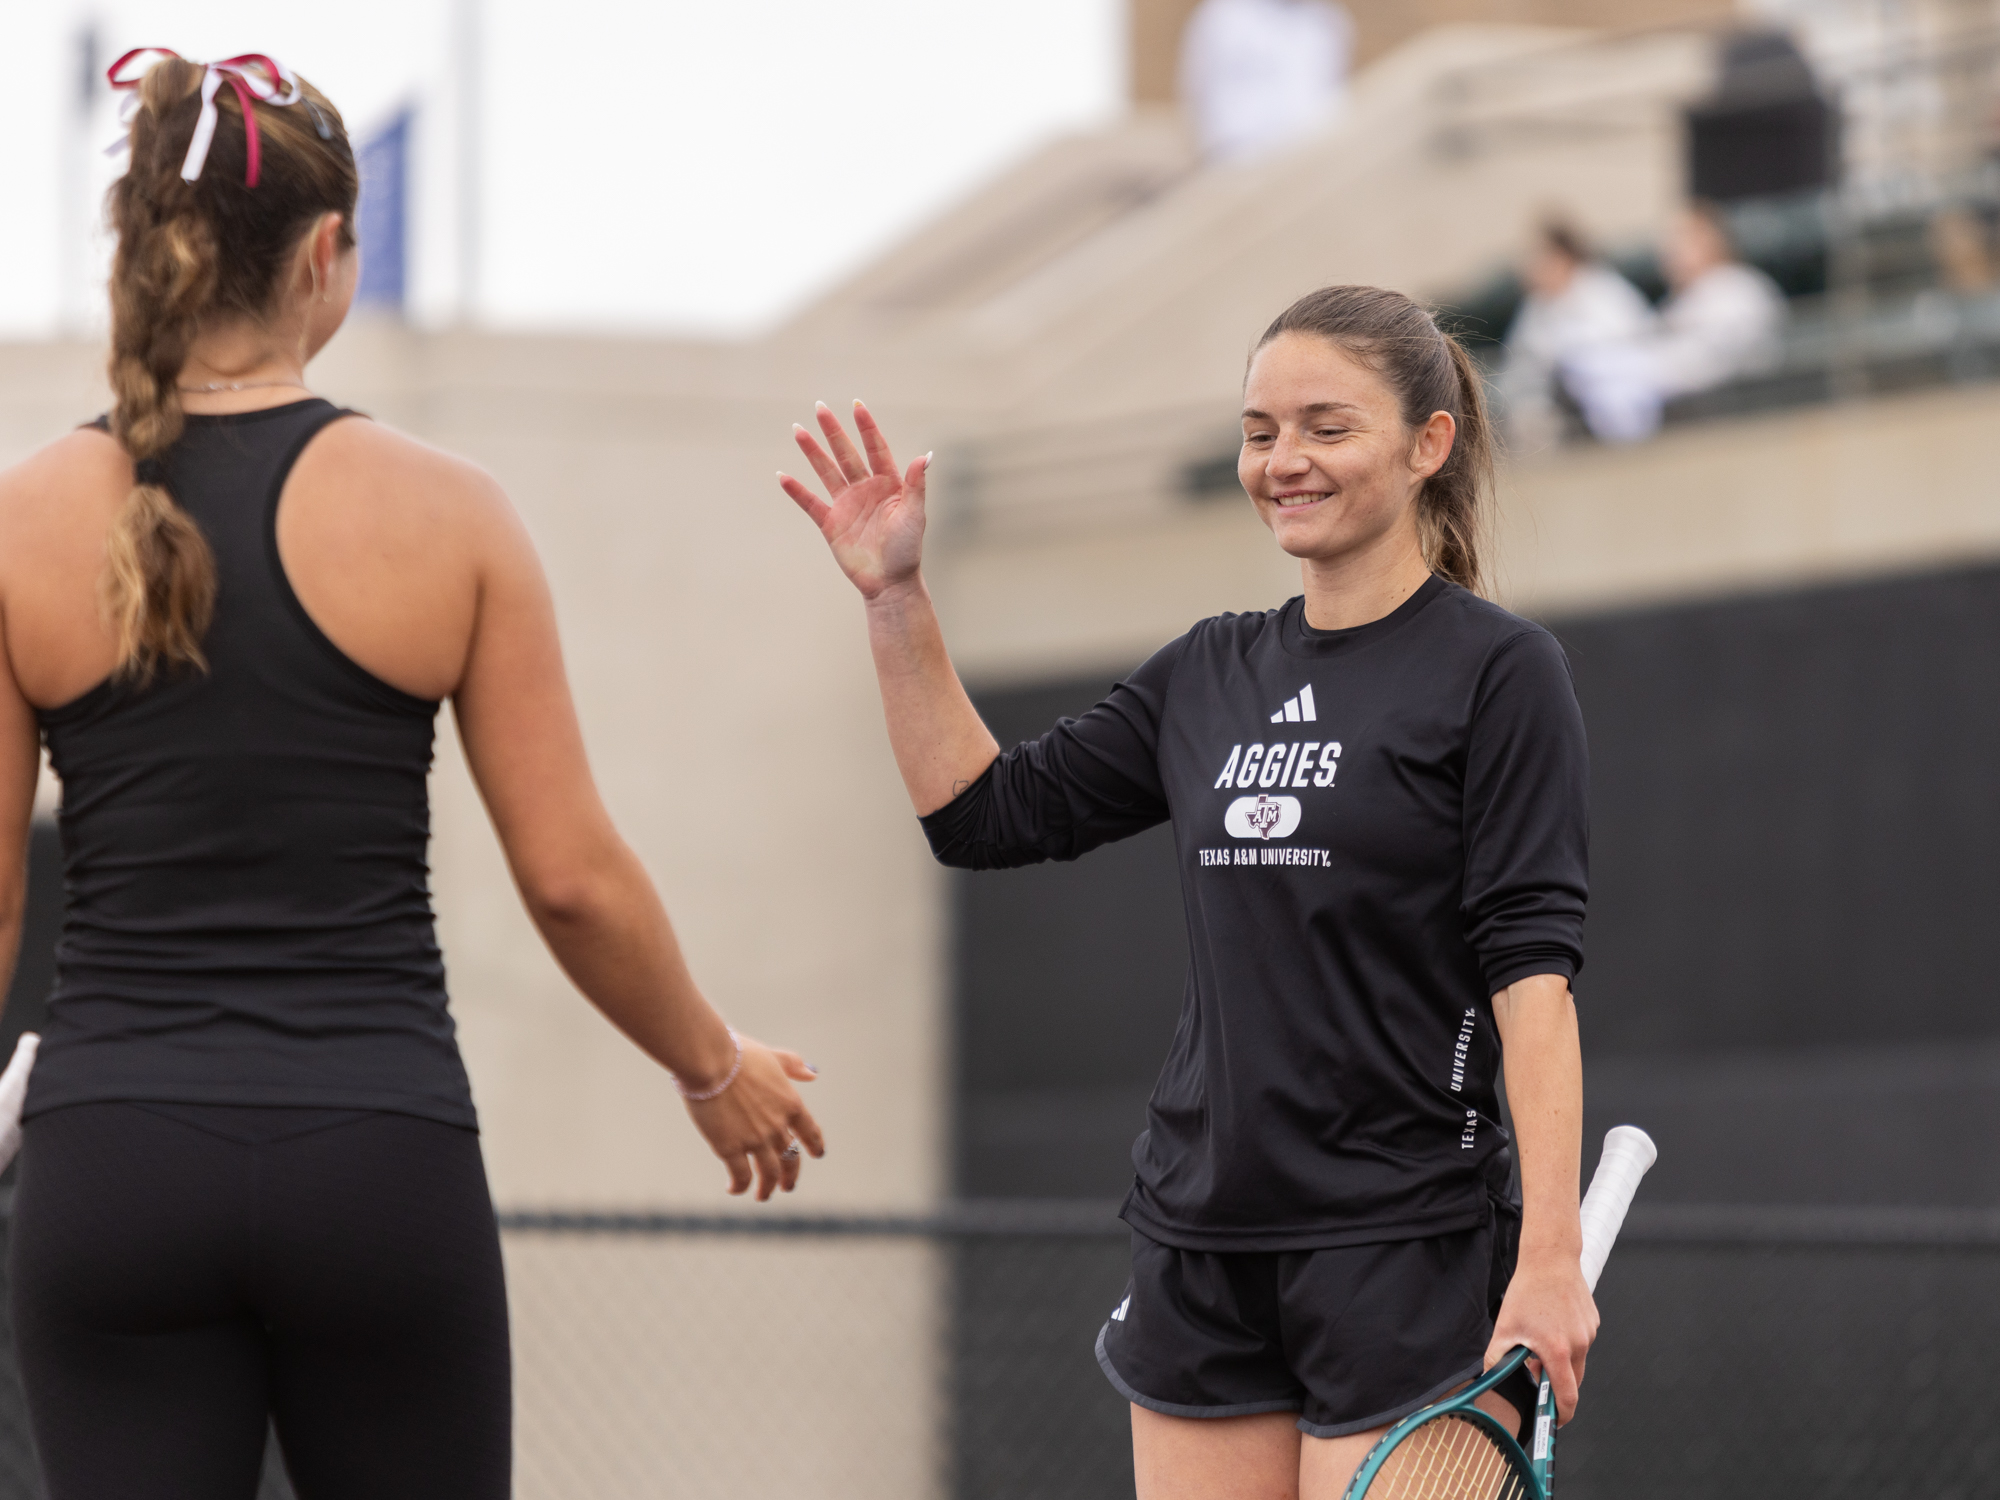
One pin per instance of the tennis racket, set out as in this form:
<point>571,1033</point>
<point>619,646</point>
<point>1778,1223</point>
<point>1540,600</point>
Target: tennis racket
<point>1452,1450</point>
<point>14,1094</point>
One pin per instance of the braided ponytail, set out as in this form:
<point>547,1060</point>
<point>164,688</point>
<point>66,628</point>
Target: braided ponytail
<point>158,588</point>
<point>189,253</point>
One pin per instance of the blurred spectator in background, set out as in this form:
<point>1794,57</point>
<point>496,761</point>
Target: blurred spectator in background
<point>1257,74</point>
<point>1721,322</point>
<point>1574,302</point>
<point>1962,245</point>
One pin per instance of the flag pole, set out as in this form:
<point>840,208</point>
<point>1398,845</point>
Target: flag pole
<point>467,19</point>
<point>76,177</point>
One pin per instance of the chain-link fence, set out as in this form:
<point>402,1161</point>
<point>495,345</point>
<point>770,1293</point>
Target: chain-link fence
<point>877,1357</point>
<point>1770,1354</point>
<point>1774,1354</point>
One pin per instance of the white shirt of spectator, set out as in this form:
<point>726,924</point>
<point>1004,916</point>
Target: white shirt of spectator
<point>1598,307</point>
<point>1258,74</point>
<point>1722,326</point>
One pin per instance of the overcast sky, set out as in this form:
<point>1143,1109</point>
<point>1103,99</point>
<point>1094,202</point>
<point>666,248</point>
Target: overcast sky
<point>664,166</point>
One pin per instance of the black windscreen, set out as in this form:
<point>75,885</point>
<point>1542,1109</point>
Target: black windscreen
<point>1793,973</point>
<point>1068,980</point>
<point>1795,817</point>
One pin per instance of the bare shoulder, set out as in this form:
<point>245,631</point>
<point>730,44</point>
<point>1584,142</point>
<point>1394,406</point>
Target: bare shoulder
<point>368,457</point>
<point>82,461</point>
<point>390,545</point>
<point>389,493</point>
<point>60,496</point>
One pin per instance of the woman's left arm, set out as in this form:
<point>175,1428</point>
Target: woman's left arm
<point>1527,846</point>
<point>1548,1307</point>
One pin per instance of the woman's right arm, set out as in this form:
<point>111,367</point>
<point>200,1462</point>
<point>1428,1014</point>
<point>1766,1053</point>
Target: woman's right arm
<point>873,520</point>
<point>588,894</point>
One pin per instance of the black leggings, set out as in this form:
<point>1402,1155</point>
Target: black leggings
<point>184,1276</point>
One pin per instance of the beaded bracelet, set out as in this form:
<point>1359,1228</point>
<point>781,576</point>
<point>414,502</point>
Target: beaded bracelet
<point>702,1096</point>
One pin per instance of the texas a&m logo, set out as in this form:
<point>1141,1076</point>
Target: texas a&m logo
<point>1264,816</point>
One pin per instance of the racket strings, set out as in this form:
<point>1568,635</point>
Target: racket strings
<point>1448,1459</point>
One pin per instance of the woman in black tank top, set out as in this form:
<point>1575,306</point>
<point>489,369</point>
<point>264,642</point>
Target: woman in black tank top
<point>251,1188</point>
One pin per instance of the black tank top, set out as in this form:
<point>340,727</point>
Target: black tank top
<point>248,915</point>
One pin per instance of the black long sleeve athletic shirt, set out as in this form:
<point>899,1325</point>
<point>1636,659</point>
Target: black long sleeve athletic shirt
<point>1378,829</point>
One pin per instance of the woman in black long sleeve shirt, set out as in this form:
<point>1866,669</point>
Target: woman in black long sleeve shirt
<point>1378,798</point>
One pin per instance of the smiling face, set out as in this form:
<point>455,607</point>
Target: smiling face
<point>1327,459</point>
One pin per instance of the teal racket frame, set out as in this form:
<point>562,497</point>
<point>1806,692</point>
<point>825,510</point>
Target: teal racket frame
<point>1537,1469</point>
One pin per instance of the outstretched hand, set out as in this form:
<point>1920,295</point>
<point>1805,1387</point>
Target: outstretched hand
<point>873,517</point>
<point>759,1124</point>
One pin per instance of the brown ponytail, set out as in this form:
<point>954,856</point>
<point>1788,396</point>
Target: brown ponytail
<point>1429,371</point>
<point>1455,509</point>
<point>190,253</point>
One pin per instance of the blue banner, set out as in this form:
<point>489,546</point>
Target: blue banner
<point>382,219</point>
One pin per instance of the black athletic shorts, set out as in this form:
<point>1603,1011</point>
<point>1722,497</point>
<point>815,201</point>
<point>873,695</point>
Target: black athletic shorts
<point>1349,1338</point>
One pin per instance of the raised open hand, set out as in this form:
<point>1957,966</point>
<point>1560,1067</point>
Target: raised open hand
<point>873,519</point>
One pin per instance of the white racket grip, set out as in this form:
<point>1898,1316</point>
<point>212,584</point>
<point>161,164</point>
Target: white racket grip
<point>13,1094</point>
<point>1628,1152</point>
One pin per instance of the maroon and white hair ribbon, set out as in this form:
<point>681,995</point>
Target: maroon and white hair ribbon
<point>252,75</point>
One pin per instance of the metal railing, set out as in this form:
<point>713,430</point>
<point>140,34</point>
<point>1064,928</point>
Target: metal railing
<point>1781,1354</point>
<point>1108,471</point>
<point>1915,90</point>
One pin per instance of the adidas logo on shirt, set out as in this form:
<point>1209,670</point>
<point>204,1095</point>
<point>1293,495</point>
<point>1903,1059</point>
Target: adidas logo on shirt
<point>1118,1313</point>
<point>1296,710</point>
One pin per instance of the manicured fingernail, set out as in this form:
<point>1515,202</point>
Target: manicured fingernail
<point>928,457</point>
<point>799,428</point>
<point>812,1067</point>
<point>822,406</point>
